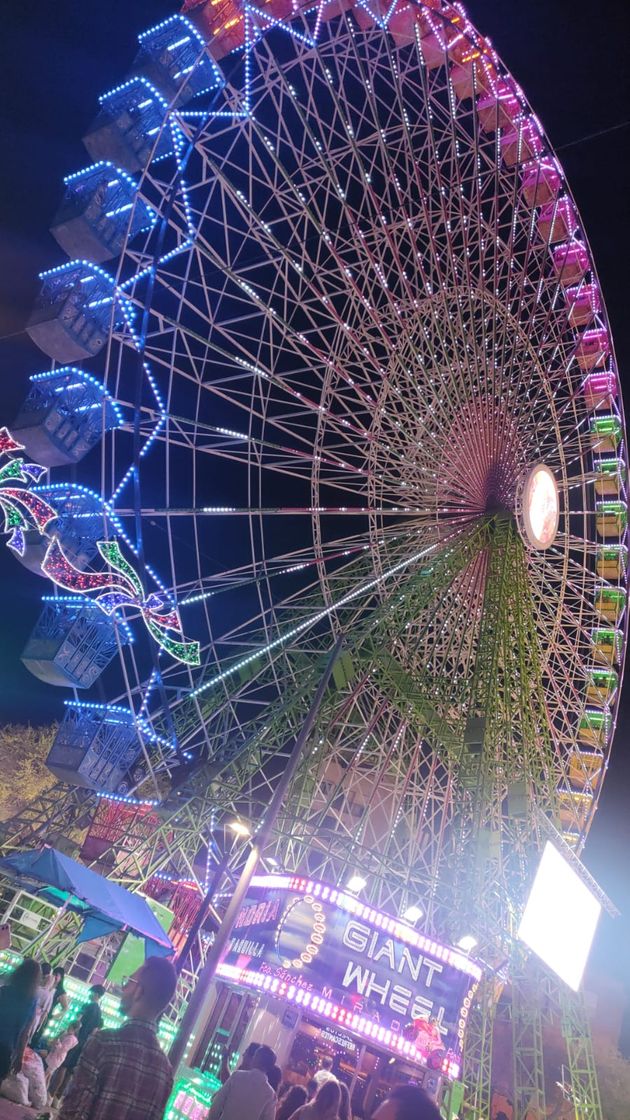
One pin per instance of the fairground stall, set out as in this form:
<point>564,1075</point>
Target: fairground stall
<point>314,972</point>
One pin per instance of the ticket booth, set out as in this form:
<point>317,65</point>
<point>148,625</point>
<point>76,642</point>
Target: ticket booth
<point>312,971</point>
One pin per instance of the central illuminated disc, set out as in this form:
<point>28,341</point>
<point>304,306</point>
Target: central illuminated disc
<point>540,507</point>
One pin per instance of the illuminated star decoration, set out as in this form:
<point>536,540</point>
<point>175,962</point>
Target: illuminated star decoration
<point>122,587</point>
<point>22,509</point>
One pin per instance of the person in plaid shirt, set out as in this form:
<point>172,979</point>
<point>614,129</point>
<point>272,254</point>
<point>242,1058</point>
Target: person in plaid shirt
<point>123,1074</point>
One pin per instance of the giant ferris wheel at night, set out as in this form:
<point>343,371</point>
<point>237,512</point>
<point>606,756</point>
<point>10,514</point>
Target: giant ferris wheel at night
<point>329,356</point>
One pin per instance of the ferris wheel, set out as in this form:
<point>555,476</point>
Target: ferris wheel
<point>332,356</point>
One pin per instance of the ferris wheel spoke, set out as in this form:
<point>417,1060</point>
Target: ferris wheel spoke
<point>305,625</point>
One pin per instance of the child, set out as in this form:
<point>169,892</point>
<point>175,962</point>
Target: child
<point>60,1048</point>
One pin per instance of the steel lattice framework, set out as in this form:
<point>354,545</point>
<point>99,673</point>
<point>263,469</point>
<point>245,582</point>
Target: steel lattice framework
<point>363,309</point>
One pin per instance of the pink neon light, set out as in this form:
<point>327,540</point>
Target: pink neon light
<point>375,918</point>
<point>583,303</point>
<point>541,182</point>
<point>599,387</point>
<point>570,261</point>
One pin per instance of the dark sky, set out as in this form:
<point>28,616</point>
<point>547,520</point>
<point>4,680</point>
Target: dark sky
<point>57,56</point>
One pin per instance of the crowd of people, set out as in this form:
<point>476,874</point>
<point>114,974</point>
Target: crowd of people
<point>89,1073</point>
<point>123,1074</point>
<point>255,1090</point>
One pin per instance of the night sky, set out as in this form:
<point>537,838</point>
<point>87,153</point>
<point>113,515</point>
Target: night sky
<point>57,57</point>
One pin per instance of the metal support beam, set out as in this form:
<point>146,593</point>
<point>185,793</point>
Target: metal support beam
<point>477,1074</point>
<point>199,1000</point>
<point>576,1031</point>
<point>527,1042</point>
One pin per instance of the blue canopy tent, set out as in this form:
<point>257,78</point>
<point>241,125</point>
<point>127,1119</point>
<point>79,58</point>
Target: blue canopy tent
<point>104,907</point>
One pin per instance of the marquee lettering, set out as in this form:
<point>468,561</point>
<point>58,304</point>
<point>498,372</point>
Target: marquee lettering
<point>258,914</point>
<point>376,970</point>
<point>386,950</point>
<point>353,973</point>
<point>375,947</point>
<point>366,982</point>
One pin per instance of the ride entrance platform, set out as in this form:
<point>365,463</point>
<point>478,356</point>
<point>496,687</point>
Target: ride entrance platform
<point>316,973</point>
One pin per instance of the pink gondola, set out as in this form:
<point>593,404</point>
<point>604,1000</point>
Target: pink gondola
<point>557,221</point>
<point>541,182</point>
<point>522,143</point>
<point>369,12</point>
<point>499,109</point>
<point>600,389</point>
<point>593,349</point>
<point>331,8</point>
<point>570,261</point>
<point>583,302</point>
<point>402,24</point>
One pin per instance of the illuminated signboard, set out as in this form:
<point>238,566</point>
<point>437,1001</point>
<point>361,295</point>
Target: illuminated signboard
<point>330,954</point>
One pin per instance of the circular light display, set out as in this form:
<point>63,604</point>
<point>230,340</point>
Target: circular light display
<point>300,934</point>
<point>540,507</point>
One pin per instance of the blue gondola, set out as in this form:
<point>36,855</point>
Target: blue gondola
<point>95,746</point>
<point>77,304</point>
<point>128,130</point>
<point>173,57</point>
<point>72,642</point>
<point>64,416</point>
<point>100,211</point>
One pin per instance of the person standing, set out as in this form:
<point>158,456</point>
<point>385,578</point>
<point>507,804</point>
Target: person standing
<point>59,1000</point>
<point>274,1077</point>
<point>324,1072</point>
<point>91,1019</point>
<point>325,1106</point>
<point>18,1008</point>
<point>44,998</point>
<point>407,1102</point>
<point>60,1048</point>
<point>293,1099</point>
<point>345,1106</point>
<point>248,1055</point>
<point>60,996</point>
<point>123,1074</point>
<point>91,1015</point>
<point>247,1094</point>
<point>245,1062</point>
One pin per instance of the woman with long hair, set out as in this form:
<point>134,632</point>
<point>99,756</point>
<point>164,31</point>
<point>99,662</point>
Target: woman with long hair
<point>407,1102</point>
<point>293,1099</point>
<point>345,1107</point>
<point>325,1106</point>
<point>18,1005</point>
<point>59,1001</point>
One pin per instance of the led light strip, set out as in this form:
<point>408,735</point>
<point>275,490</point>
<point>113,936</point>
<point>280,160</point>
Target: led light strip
<point>342,1016</point>
<point>376,918</point>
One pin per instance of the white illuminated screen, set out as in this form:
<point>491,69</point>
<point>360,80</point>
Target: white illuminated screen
<point>560,918</point>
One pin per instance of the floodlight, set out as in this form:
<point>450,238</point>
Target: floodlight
<point>413,914</point>
<point>239,828</point>
<point>356,883</point>
<point>467,943</point>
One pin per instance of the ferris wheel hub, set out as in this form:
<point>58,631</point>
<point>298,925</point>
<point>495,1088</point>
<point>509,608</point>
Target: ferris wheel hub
<point>539,507</point>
